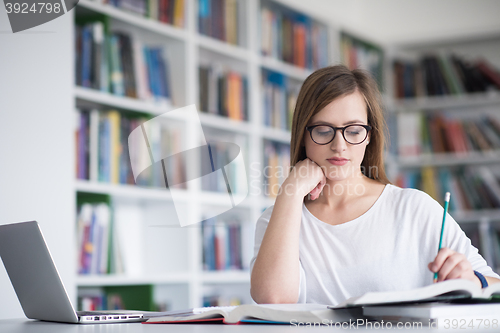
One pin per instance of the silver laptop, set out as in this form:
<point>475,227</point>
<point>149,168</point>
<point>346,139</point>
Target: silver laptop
<point>37,283</point>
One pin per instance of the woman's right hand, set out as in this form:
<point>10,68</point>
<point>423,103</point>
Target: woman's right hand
<point>305,177</point>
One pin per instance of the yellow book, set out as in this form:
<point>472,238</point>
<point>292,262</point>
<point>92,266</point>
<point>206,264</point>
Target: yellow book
<point>233,96</point>
<point>116,147</point>
<point>429,182</point>
<point>238,97</point>
<point>230,21</point>
<point>179,13</point>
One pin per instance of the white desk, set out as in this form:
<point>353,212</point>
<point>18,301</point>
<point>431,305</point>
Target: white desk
<point>29,326</point>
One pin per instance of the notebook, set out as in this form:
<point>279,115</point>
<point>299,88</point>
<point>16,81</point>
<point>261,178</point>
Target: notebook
<point>37,283</point>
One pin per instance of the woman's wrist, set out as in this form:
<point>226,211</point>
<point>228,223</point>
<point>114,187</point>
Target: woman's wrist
<point>291,188</point>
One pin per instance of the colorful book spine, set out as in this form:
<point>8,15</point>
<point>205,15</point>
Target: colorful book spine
<point>136,297</point>
<point>360,54</point>
<point>222,245</point>
<point>222,157</point>
<point>437,133</point>
<point>82,137</point>
<point>443,74</point>
<point>93,234</point>
<point>121,66</point>
<point>276,166</point>
<point>292,37</point>
<point>219,19</point>
<point>220,300</point>
<point>171,12</point>
<point>472,188</point>
<point>108,137</point>
<point>223,93</point>
<point>279,98</point>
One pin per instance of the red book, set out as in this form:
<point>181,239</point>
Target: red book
<point>488,71</point>
<point>300,45</point>
<point>163,11</point>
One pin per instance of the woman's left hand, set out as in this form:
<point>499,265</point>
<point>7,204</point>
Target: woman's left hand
<point>452,265</point>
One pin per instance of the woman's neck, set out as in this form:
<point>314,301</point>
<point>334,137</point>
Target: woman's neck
<point>339,192</point>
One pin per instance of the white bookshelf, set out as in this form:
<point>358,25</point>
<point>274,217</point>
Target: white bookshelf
<point>464,106</point>
<point>192,49</point>
<point>491,98</point>
<point>186,49</point>
<point>448,159</point>
<point>134,20</point>
<point>175,270</point>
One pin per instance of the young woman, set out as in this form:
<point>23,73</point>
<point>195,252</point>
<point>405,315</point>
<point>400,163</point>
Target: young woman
<point>338,228</point>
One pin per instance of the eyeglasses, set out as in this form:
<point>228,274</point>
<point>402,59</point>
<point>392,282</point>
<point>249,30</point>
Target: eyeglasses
<point>353,134</point>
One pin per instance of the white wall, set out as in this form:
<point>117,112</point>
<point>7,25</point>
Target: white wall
<point>407,22</point>
<point>36,141</point>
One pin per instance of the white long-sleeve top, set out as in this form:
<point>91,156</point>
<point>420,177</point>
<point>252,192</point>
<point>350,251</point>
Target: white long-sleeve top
<point>387,248</point>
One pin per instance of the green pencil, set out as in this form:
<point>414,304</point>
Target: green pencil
<point>446,202</point>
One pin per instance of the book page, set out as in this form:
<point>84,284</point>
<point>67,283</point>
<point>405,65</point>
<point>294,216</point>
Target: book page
<point>454,287</point>
<point>492,290</point>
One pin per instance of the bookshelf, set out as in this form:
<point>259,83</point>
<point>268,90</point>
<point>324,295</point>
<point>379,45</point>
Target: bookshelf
<point>173,264</point>
<point>200,54</point>
<point>418,106</point>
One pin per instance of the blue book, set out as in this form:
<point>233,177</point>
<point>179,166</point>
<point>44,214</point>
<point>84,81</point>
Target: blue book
<point>104,150</point>
<point>155,87</point>
<point>117,83</point>
<point>160,71</point>
<point>86,55</point>
<point>149,69</point>
<point>204,16</point>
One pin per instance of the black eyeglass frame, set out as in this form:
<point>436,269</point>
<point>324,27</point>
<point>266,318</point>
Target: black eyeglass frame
<point>310,129</point>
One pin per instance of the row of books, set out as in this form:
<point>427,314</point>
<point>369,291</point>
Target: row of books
<point>356,53</point>
<point>293,38</point>
<point>224,156</point>
<point>223,92</point>
<point>276,166</point>
<point>471,188</point>
<point>102,149</point>
<point>109,236</point>
<point>280,97</point>
<point>443,75</point>
<point>221,19</point>
<point>133,297</point>
<point>493,243</point>
<point>95,240</point>
<point>487,241</point>
<point>101,302</point>
<point>165,11</point>
<point>436,133</point>
<point>219,300</point>
<point>222,245</point>
<point>116,64</point>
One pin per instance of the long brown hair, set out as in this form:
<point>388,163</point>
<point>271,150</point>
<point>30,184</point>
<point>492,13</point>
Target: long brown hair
<point>324,86</point>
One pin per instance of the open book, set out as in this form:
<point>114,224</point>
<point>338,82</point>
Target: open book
<point>265,313</point>
<point>446,290</point>
<point>434,310</point>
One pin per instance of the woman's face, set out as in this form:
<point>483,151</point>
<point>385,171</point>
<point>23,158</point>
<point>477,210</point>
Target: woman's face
<point>339,159</point>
